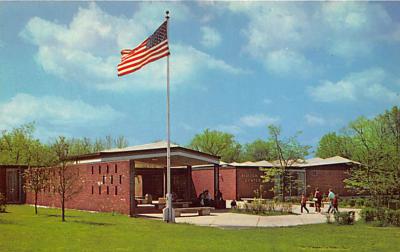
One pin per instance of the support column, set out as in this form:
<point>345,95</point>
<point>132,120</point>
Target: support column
<point>188,183</point>
<point>164,182</point>
<point>132,208</point>
<point>216,180</point>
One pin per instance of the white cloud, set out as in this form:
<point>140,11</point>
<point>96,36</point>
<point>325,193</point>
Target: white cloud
<point>348,30</point>
<point>87,49</point>
<point>257,120</point>
<point>232,128</point>
<point>314,120</point>
<point>267,101</point>
<point>370,84</point>
<point>286,62</point>
<point>54,113</point>
<point>210,37</point>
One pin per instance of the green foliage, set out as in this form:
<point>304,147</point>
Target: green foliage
<point>286,152</point>
<point>258,150</point>
<point>217,143</point>
<point>381,216</point>
<point>14,143</point>
<point>332,145</point>
<point>345,218</point>
<point>3,204</point>
<point>375,143</point>
<point>265,207</point>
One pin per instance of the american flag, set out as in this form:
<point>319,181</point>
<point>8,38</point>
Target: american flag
<point>153,48</point>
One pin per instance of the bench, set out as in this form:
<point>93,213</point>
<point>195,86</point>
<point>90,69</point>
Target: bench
<point>174,204</point>
<point>200,210</point>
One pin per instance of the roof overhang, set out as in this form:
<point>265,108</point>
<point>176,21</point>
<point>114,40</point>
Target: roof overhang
<point>179,157</point>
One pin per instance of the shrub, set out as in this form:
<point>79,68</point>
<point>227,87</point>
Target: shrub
<point>369,214</point>
<point>352,202</point>
<point>360,202</point>
<point>381,216</point>
<point>345,218</point>
<point>2,203</point>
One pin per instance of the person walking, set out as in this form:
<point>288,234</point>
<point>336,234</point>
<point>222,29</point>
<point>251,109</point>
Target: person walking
<point>331,197</point>
<point>318,200</point>
<point>303,203</point>
<point>336,203</point>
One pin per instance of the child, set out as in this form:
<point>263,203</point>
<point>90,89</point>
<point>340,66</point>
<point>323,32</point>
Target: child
<point>303,203</point>
<point>336,203</point>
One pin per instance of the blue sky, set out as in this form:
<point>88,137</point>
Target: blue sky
<point>235,67</point>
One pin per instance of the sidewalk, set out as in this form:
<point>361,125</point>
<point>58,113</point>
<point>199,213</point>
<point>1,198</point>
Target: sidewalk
<point>226,219</point>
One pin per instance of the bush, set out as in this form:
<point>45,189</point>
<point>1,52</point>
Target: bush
<point>369,214</point>
<point>2,203</point>
<point>381,216</point>
<point>352,202</point>
<point>345,218</point>
<point>259,207</point>
<point>360,202</point>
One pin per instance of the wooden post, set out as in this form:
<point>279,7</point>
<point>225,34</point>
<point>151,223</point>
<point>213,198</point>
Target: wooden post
<point>132,209</point>
<point>188,183</point>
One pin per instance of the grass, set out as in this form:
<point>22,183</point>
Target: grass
<point>21,230</point>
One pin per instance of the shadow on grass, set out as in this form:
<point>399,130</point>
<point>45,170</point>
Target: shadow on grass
<point>93,223</point>
<point>59,216</point>
<point>6,222</point>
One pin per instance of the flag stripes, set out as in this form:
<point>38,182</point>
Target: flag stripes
<point>153,48</point>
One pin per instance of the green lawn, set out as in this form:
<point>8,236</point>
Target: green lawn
<point>21,230</point>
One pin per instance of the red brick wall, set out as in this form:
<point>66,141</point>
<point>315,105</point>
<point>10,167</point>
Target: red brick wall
<point>203,179</point>
<point>85,200</point>
<point>227,183</point>
<point>3,181</point>
<point>249,180</point>
<point>326,177</point>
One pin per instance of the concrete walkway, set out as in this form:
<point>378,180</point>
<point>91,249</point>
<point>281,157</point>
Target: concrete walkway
<point>226,219</point>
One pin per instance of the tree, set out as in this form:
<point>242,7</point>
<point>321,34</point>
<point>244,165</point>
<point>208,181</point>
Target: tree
<point>35,176</point>
<point>121,142</point>
<point>66,181</point>
<point>376,145</point>
<point>332,144</point>
<point>257,151</point>
<point>217,143</point>
<point>13,144</point>
<point>286,153</point>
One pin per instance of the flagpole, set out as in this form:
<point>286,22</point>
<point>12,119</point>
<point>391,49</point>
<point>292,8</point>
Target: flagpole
<point>171,217</point>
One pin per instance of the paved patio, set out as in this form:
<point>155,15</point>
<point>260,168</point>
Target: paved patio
<point>226,219</point>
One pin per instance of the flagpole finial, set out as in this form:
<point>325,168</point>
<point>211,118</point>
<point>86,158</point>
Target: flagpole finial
<point>167,14</point>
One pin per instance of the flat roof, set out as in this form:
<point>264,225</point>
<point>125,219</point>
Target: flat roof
<point>298,163</point>
<point>152,153</point>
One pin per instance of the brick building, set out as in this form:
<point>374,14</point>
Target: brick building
<point>11,183</point>
<point>243,180</point>
<point>103,180</point>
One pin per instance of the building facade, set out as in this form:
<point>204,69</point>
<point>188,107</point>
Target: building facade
<point>243,180</point>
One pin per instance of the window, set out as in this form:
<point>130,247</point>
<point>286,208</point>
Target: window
<point>120,179</point>
<point>108,190</point>
<point>107,169</point>
<point>112,179</point>
<point>104,180</point>
<point>115,168</point>
<point>92,190</point>
<point>116,190</point>
<point>99,169</point>
<point>99,189</point>
<point>92,170</point>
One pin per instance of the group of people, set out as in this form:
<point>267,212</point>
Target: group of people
<point>332,197</point>
<point>205,198</point>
